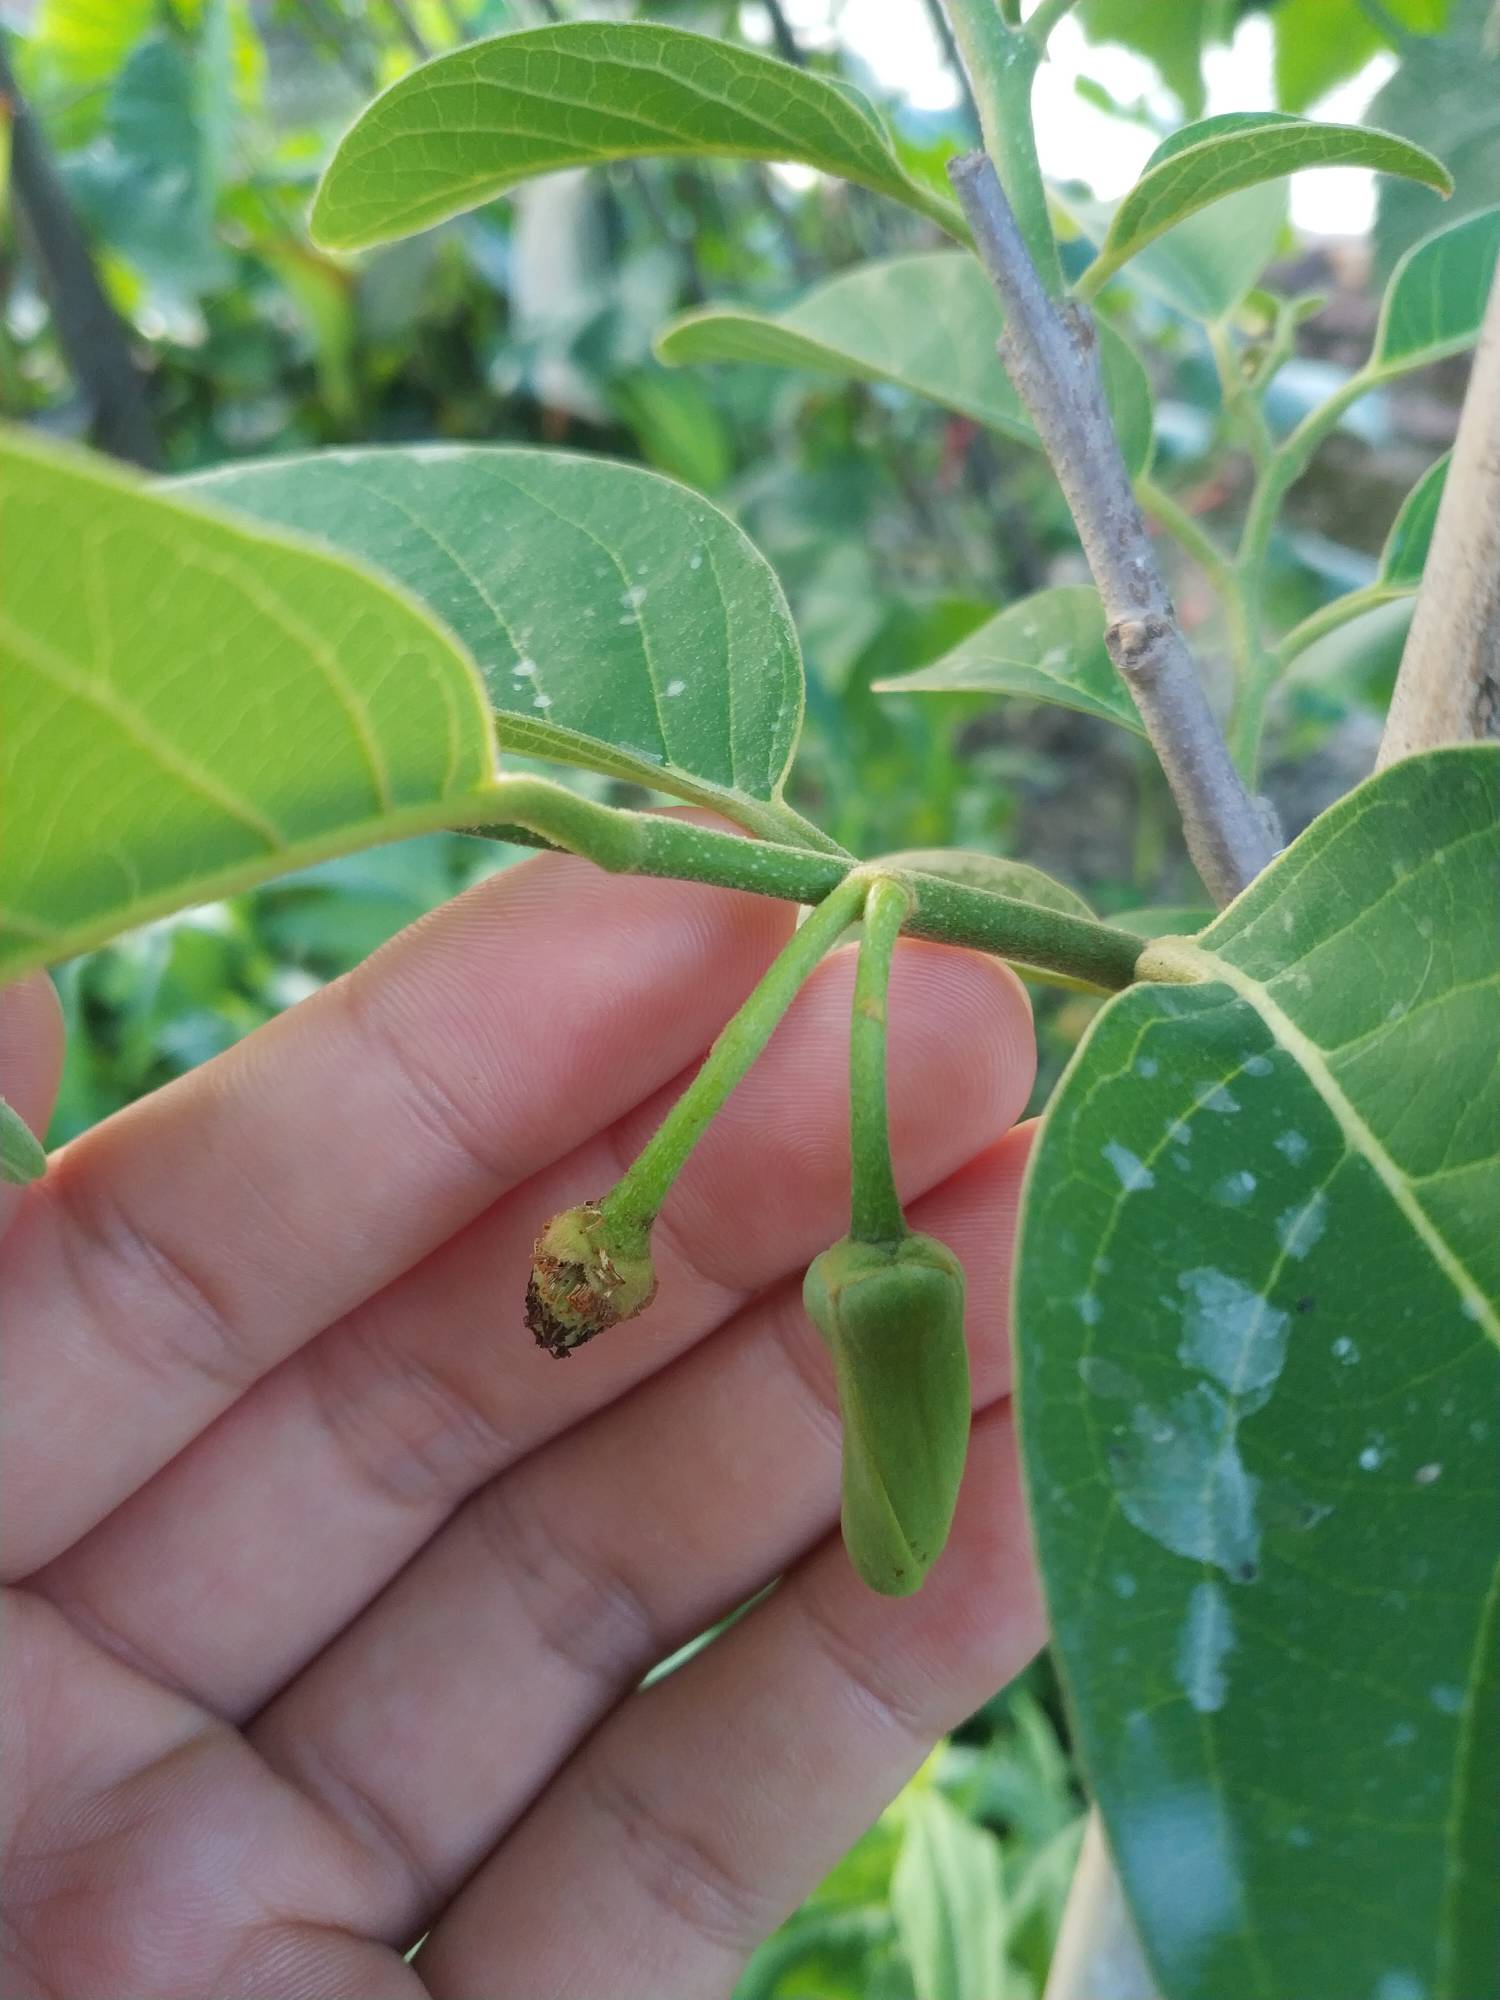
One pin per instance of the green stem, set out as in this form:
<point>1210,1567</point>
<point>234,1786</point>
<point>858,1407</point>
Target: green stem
<point>635,1202</point>
<point>1002,62</point>
<point>1181,526</point>
<point>1045,19</point>
<point>1276,476</point>
<point>948,912</point>
<point>1329,617</point>
<point>875,1207</point>
<point>1287,464</point>
<point>1242,405</point>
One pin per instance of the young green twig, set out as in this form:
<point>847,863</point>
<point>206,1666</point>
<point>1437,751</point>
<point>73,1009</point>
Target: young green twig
<point>875,1207</point>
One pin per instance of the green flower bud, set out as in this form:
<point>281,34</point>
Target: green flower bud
<point>893,1316</point>
<point>586,1276</point>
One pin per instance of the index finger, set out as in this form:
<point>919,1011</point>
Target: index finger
<point>177,1252</point>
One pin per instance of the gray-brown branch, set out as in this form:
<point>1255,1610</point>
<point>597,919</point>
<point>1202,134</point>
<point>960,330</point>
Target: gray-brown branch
<point>1050,351</point>
<point>1448,689</point>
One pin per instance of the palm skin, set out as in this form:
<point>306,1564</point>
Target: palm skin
<point>329,1596</point>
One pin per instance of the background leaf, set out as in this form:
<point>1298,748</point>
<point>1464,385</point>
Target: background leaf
<point>1046,647</point>
<point>1445,94</point>
<point>949,1904</point>
<point>1404,556</point>
<point>188,706</point>
<point>1205,264</point>
<point>1218,156</point>
<point>21,1156</point>
<point>927,323</point>
<point>462,129</point>
<point>1435,300</point>
<point>1258,1302</point>
<point>1322,43</point>
<point>620,621</point>
<point>995,872</point>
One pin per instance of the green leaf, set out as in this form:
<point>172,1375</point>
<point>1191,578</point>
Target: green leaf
<point>928,323</point>
<point>1047,647</point>
<point>188,706</point>
<point>1162,920</point>
<point>1435,301</point>
<point>948,1900</point>
<point>1172,38</point>
<point>1322,43</point>
<point>1445,93</point>
<point>621,622</point>
<point>1404,556</point>
<point>462,129</point>
<point>22,1157</point>
<point>995,872</point>
<point>1257,1309</point>
<point>147,184</point>
<point>1204,265</point>
<point>1218,156</point>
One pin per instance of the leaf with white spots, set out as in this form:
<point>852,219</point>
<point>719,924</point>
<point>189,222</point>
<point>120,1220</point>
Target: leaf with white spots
<point>189,705</point>
<point>620,621</point>
<point>1257,1314</point>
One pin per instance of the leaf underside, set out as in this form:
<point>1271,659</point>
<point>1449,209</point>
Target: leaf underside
<point>1219,156</point>
<point>1258,1303</point>
<point>470,124</point>
<point>1046,647</point>
<point>188,705</point>
<point>621,622</point>
<point>928,323</point>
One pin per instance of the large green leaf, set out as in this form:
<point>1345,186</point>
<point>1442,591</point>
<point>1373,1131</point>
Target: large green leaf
<point>621,622</point>
<point>1218,156</point>
<point>1257,1309</point>
<point>927,322</point>
<point>188,706</point>
<point>1046,647</point>
<point>462,129</point>
<point>1435,301</point>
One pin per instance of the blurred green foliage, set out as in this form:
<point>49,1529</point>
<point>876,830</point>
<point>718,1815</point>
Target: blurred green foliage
<point>189,134</point>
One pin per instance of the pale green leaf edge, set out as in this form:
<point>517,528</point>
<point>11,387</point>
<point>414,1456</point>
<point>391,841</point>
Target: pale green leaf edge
<point>472,807</point>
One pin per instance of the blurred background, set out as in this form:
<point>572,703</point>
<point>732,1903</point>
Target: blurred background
<point>159,155</point>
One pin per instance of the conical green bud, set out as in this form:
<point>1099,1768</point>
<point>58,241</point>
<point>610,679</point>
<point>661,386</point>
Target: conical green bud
<point>586,1276</point>
<point>893,1316</point>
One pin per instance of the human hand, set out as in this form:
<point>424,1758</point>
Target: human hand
<point>331,1592</point>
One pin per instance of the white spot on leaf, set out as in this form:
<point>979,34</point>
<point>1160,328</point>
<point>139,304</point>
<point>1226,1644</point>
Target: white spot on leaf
<point>1206,1642</point>
<point>1133,1173</point>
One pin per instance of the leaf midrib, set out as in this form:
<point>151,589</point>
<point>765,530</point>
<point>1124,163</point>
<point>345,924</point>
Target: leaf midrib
<point>1359,1136</point>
